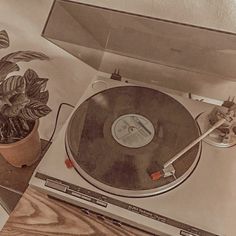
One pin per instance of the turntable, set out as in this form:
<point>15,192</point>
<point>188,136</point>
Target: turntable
<point>117,137</point>
<point>142,154</point>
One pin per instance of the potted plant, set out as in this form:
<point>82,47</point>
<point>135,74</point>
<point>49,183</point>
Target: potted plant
<point>23,100</point>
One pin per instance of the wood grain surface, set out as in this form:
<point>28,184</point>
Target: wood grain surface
<point>38,215</point>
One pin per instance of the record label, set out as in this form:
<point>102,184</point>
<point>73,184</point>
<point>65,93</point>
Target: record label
<point>133,130</point>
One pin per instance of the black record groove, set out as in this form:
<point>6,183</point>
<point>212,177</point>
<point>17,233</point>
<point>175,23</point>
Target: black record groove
<point>119,136</point>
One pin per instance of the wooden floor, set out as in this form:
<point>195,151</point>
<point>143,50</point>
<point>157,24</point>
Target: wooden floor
<point>38,215</point>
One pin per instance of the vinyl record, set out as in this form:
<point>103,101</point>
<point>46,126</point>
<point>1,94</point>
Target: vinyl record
<point>118,137</point>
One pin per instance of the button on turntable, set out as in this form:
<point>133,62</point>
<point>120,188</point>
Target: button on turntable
<point>99,85</point>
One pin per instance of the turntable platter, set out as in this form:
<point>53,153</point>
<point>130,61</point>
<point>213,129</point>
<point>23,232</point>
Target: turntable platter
<point>118,137</point>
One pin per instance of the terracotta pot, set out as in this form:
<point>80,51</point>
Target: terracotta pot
<point>24,152</point>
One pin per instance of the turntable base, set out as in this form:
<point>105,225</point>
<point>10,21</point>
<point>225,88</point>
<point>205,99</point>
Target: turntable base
<point>203,204</point>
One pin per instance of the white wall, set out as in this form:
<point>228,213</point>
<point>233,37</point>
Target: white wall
<point>216,14</point>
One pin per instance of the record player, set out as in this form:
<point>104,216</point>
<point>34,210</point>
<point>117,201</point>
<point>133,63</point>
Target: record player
<point>142,154</point>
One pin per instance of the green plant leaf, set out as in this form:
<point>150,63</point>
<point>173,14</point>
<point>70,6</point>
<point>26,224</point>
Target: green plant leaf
<point>13,129</point>
<point>10,88</point>
<point>43,97</point>
<point>12,111</point>
<point>24,56</point>
<point>21,99</point>
<point>4,39</point>
<point>34,84</point>
<point>34,110</point>
<point>24,124</point>
<point>3,102</point>
<point>7,67</point>
<point>30,77</point>
<point>33,90</point>
<point>43,83</point>
<point>14,84</point>
<point>19,102</point>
